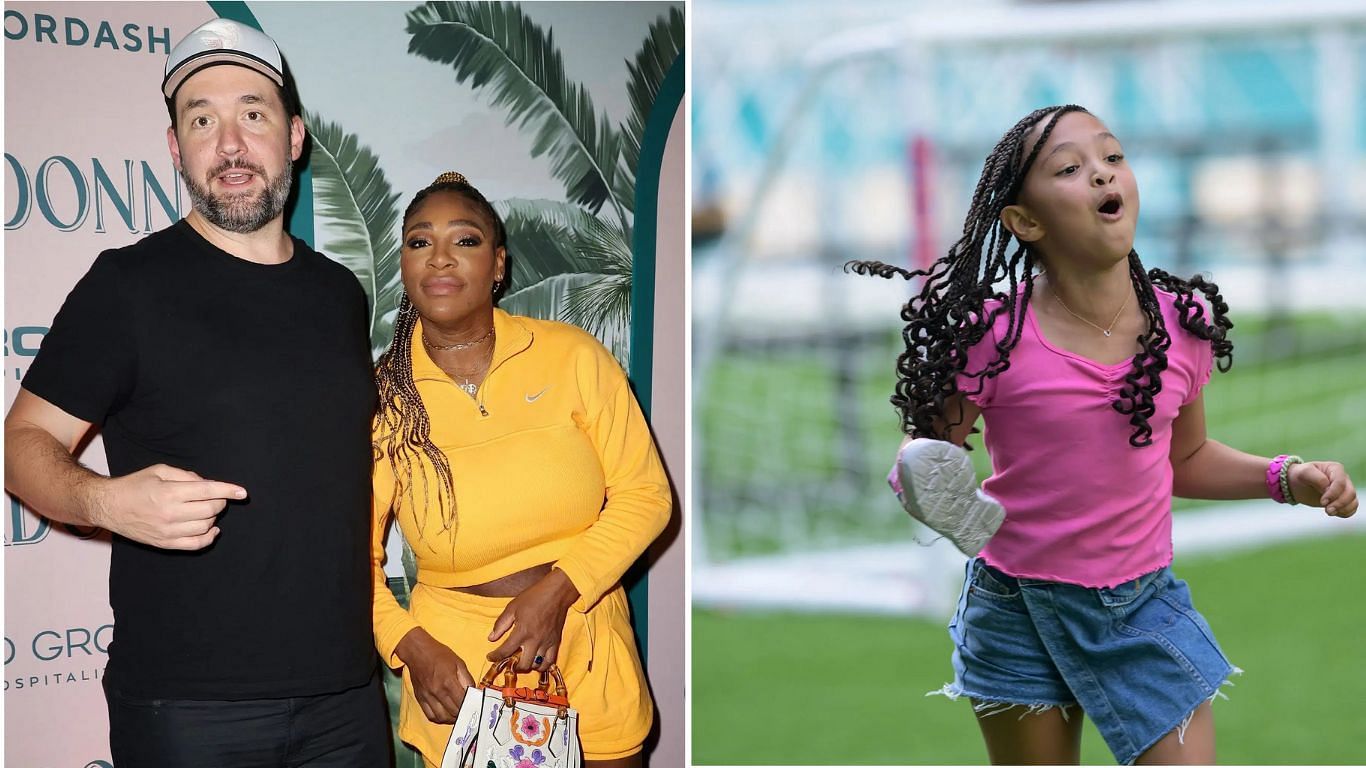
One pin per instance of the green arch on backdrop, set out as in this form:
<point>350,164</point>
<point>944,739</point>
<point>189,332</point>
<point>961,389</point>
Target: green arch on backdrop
<point>652,145</point>
<point>300,223</point>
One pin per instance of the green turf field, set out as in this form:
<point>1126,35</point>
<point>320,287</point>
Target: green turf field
<point>828,689</point>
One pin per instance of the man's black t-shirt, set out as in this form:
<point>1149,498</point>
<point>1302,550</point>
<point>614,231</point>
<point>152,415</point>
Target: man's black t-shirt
<point>252,374</point>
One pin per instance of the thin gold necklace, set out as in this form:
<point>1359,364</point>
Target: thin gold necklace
<point>1113,320</point>
<point>458,344</point>
<point>470,388</point>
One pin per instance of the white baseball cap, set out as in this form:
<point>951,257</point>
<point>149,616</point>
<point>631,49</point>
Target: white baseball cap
<point>222,41</point>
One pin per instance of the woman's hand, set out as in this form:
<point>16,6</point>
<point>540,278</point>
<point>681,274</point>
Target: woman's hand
<point>438,675</point>
<point>534,622</point>
<point>1324,484</point>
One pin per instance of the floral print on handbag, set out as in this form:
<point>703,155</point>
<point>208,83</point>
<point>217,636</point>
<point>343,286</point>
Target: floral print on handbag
<point>511,726</point>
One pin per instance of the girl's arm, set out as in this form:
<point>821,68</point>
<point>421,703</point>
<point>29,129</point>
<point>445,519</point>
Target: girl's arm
<point>954,408</point>
<point>969,413</point>
<point>1207,469</point>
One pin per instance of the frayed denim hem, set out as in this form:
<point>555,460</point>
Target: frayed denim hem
<point>1186,721</point>
<point>987,707</point>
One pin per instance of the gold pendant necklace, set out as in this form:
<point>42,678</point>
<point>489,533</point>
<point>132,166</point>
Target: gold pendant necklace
<point>1113,320</point>
<point>469,387</point>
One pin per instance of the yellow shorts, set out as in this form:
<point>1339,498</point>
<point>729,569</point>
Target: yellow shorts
<point>613,702</point>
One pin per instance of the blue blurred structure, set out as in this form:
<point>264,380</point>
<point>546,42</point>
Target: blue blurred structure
<point>1184,84</point>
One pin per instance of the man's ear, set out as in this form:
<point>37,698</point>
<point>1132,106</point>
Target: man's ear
<point>174,146</point>
<point>1021,224</point>
<point>297,131</point>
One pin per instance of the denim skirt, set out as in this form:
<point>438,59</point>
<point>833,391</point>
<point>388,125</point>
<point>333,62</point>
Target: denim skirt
<point>1138,658</point>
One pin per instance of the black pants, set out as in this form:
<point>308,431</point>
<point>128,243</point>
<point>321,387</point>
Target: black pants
<point>348,729</point>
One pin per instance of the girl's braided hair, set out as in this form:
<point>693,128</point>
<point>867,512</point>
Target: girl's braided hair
<point>403,431</point>
<point>949,317</point>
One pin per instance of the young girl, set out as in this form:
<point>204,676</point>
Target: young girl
<point>1087,371</point>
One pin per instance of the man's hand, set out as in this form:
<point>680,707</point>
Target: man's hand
<point>160,506</point>
<point>163,507</point>
<point>534,622</point>
<point>438,675</point>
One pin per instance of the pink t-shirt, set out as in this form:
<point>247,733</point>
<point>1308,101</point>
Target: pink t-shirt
<point>1083,506</point>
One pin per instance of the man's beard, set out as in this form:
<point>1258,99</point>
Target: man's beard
<point>241,212</point>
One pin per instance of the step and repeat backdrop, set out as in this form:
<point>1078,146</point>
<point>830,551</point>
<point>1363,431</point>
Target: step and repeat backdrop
<point>87,168</point>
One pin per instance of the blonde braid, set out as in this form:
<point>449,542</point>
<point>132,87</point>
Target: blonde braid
<point>402,428</point>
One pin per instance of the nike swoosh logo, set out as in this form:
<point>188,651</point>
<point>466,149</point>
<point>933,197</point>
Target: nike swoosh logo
<point>537,396</point>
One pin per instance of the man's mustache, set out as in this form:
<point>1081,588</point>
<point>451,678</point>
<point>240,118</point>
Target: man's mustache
<point>240,164</point>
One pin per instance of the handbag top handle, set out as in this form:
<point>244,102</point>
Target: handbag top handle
<point>541,694</point>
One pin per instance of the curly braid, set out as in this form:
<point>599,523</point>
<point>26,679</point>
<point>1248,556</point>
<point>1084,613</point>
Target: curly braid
<point>402,427</point>
<point>949,316</point>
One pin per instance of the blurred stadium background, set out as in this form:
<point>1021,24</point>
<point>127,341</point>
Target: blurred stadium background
<point>824,132</point>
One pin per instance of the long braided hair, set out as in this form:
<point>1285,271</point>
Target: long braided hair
<point>402,428</point>
<point>949,315</point>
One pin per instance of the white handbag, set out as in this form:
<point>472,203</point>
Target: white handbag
<point>515,727</point>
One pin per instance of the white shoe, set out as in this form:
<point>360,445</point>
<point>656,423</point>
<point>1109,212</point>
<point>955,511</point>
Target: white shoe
<point>939,488</point>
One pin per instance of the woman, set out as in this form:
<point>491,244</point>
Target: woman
<point>523,475</point>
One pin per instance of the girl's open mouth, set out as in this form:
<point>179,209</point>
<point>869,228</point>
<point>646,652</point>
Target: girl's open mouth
<point>1111,207</point>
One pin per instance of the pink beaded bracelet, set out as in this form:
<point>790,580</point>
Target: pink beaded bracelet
<point>1278,478</point>
<point>1273,478</point>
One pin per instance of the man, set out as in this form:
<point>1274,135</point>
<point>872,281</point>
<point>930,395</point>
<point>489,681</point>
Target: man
<point>228,366</point>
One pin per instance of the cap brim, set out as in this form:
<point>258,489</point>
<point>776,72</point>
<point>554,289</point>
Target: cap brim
<point>188,67</point>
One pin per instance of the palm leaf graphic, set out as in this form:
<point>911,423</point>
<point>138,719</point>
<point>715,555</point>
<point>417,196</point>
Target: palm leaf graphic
<point>356,199</point>
<point>542,239</point>
<point>603,308</point>
<point>550,299</point>
<point>653,61</point>
<point>547,298</point>
<point>495,45</point>
<point>548,238</point>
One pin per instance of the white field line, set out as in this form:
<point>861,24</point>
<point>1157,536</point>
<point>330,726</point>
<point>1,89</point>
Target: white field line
<point>906,578</point>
